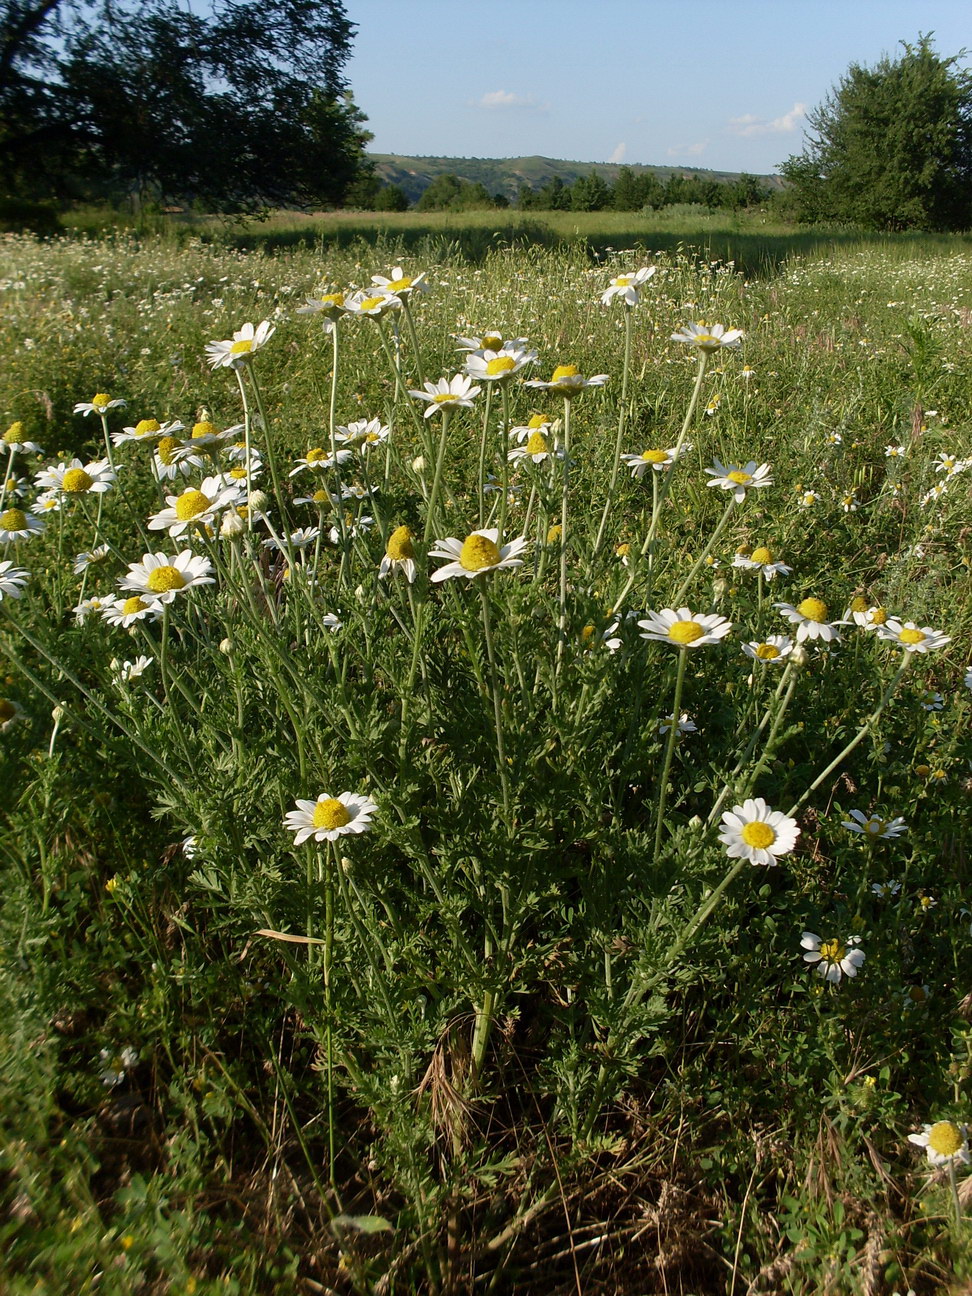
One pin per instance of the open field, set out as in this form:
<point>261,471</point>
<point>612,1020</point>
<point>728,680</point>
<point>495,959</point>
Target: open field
<point>623,936</point>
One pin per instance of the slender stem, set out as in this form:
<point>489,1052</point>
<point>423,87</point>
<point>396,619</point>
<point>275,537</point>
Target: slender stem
<point>481,473</point>
<point>669,750</point>
<point>331,858</point>
<point>497,702</point>
<point>562,597</point>
<point>437,479</point>
<point>622,417</point>
<point>686,584</point>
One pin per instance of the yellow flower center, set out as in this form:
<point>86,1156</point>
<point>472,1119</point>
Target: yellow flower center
<point>134,604</point>
<point>7,710</point>
<point>813,609</point>
<point>739,477</point>
<point>190,504</point>
<point>858,604</point>
<point>945,1138</point>
<point>204,429</point>
<point>330,814</point>
<point>832,951</point>
<point>333,299</point>
<point>767,652</point>
<point>316,455</point>
<point>13,520</point>
<point>370,303</point>
<point>564,371</point>
<point>491,342</point>
<point>587,634</point>
<point>145,427</point>
<point>101,400</point>
<point>443,398</point>
<point>76,481</point>
<point>242,347</point>
<point>911,636</point>
<point>478,551</point>
<point>655,456</point>
<point>321,497</point>
<point>623,550</point>
<point>500,365</point>
<point>622,281</point>
<point>14,433</point>
<point>554,534</point>
<point>400,545</point>
<point>238,474</point>
<point>761,555</point>
<point>875,826</point>
<point>537,421</point>
<point>758,834</point>
<point>399,285</point>
<point>917,994</point>
<point>165,449</point>
<point>537,443</point>
<point>879,616</point>
<point>162,579</point>
<point>922,770</point>
<point>685,632</point>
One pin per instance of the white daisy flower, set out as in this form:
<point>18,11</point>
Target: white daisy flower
<point>330,622</point>
<point>14,441</point>
<point>207,436</point>
<point>625,286</point>
<point>76,478</point>
<point>126,671</point>
<point>399,554</point>
<point>125,612</point>
<point>363,435</point>
<point>834,438</point>
<point>195,506</point>
<point>950,464</point>
<point>931,701</point>
<point>933,496</point>
<point>773,650</point>
<point>115,1066</point>
<point>567,380</point>
<point>850,503</point>
<point>329,817</point>
<point>172,459</point>
<point>322,498</point>
<point>656,460</point>
<point>685,725</point>
<point>98,404</point>
<point>912,638</point>
<point>17,524</point>
<point>146,430</point>
<point>755,832</point>
<point>240,348</point>
<point>808,499</point>
<point>89,605</point>
<point>945,1143</point>
<point>47,502</point>
<point>708,337</point>
<point>162,578</point>
<point>762,559</point>
<point>298,539</point>
<point>12,580</point>
<point>448,393</point>
<point>739,480</point>
<point>330,305</point>
<point>492,340</point>
<point>894,452</point>
<point>479,553</point>
<point>374,304</point>
<point>83,561</point>
<point>886,890</point>
<point>318,459</point>
<point>497,366</point>
<point>352,527</point>
<point>538,446</point>
<point>874,826</point>
<point>684,629</point>
<point>399,283</point>
<point>810,618</point>
<point>834,958</point>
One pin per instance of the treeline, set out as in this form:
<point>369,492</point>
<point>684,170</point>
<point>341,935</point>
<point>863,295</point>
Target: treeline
<point>632,191</point>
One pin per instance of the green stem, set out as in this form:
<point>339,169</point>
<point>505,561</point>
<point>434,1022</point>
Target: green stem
<point>619,440</point>
<point>669,751</point>
<point>686,584</point>
<point>497,703</point>
<point>437,479</point>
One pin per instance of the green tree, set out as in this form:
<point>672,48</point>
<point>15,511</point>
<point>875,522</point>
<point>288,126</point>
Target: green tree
<point>235,107</point>
<point>891,146</point>
<point>589,193</point>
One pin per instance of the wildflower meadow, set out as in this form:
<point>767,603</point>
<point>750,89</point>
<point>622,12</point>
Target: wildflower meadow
<point>485,770</point>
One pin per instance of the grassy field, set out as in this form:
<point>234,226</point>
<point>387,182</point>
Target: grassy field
<point>521,849</point>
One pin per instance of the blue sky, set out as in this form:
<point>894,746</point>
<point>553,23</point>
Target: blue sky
<point>705,84</point>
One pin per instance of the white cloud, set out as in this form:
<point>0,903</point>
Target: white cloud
<point>507,99</point>
<point>689,150</point>
<point>749,124</point>
<point>618,154</point>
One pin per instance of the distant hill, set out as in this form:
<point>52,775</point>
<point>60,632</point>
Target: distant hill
<point>505,175</point>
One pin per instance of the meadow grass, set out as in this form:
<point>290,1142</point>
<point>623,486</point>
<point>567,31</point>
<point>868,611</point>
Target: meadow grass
<point>537,1004</point>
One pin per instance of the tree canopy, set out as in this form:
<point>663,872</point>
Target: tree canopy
<point>238,107</point>
<point>891,146</point>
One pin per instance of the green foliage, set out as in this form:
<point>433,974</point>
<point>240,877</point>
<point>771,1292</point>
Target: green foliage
<point>223,110</point>
<point>506,1014</point>
<point>892,147</point>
